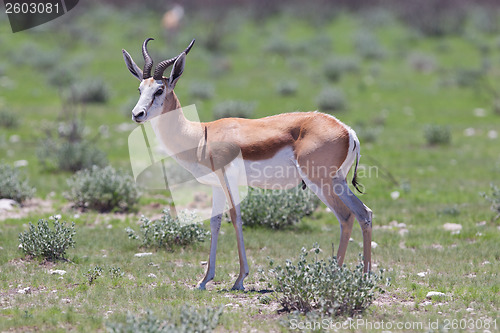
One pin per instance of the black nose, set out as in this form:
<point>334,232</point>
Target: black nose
<point>140,114</point>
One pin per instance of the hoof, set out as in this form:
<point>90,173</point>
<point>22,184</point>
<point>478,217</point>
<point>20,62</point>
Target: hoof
<point>238,287</point>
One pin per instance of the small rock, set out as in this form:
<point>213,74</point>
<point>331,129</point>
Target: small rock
<point>351,239</point>
<point>395,195</point>
<point>469,309</point>
<point>437,246</point>
<point>486,262</point>
<point>481,224</point>
<point>14,138</point>
<point>203,263</point>
<point>26,290</point>
<point>403,232</point>
<point>431,294</point>
<point>109,226</point>
<point>65,300</point>
<point>469,131</point>
<point>76,216</point>
<point>422,274</point>
<point>492,134</point>
<point>151,275</point>
<point>20,163</point>
<point>374,245</point>
<point>425,303</point>
<point>8,204</point>
<point>453,227</point>
<point>57,271</point>
<point>479,112</point>
<point>144,254</point>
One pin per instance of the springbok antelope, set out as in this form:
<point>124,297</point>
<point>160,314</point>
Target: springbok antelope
<point>318,147</point>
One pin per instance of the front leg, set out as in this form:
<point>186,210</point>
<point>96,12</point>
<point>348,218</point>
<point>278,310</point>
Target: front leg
<point>218,204</point>
<point>231,190</point>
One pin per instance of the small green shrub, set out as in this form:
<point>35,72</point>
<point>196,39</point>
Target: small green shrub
<point>437,135</point>
<point>8,119</point>
<point>103,189</point>
<point>89,92</point>
<point>278,45</point>
<point>494,200</point>
<point>116,272</point>
<point>51,244</point>
<point>321,285</point>
<point>287,88</point>
<point>237,109</point>
<point>331,99</point>
<point>169,232</point>
<point>11,185</point>
<point>367,46</point>
<point>190,320</point>
<point>277,208</point>
<point>334,68</point>
<point>69,156</point>
<point>93,273</point>
<point>67,149</point>
<point>201,90</point>
<point>422,62</point>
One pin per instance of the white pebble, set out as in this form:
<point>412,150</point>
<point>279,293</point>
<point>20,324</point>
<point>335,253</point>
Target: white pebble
<point>374,245</point>
<point>20,163</point>
<point>479,112</point>
<point>422,274</point>
<point>452,227</point>
<point>492,134</point>
<point>469,131</point>
<point>144,254</point>
<point>395,195</point>
<point>151,275</point>
<point>57,271</point>
<point>430,294</point>
<point>26,290</point>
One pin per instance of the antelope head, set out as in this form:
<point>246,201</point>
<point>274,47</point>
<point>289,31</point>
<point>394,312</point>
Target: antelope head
<point>155,90</point>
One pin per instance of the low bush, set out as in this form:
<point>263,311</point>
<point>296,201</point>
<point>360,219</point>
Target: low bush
<point>367,46</point>
<point>42,241</point>
<point>89,92</point>
<point>103,189</point>
<point>437,135</point>
<point>190,319</point>
<point>287,88</point>
<point>12,186</point>
<point>237,109</point>
<point>201,90</point>
<point>93,274</point>
<point>334,68</point>
<point>278,45</point>
<point>169,232</point>
<point>313,284</point>
<point>66,148</point>
<point>69,156</point>
<point>277,208</point>
<point>8,119</point>
<point>331,99</point>
<point>494,199</point>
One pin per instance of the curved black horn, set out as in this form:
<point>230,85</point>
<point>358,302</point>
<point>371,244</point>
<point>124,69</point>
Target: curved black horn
<point>162,66</point>
<point>147,59</point>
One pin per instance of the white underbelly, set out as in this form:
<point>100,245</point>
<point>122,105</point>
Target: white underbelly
<point>277,172</point>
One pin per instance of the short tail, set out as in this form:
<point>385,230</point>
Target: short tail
<point>355,182</point>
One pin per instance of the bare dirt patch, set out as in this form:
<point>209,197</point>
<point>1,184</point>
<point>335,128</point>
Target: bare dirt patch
<point>32,206</point>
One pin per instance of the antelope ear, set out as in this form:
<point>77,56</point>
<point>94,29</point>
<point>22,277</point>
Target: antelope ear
<point>132,66</point>
<point>177,70</point>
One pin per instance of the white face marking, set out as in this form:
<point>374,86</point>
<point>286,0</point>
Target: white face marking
<point>150,102</point>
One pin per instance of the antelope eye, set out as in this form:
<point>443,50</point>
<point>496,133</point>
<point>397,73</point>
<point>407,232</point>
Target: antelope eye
<point>159,92</point>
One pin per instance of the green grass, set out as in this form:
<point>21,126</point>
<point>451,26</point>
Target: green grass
<point>431,178</point>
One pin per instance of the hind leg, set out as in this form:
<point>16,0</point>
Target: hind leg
<point>363,215</point>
